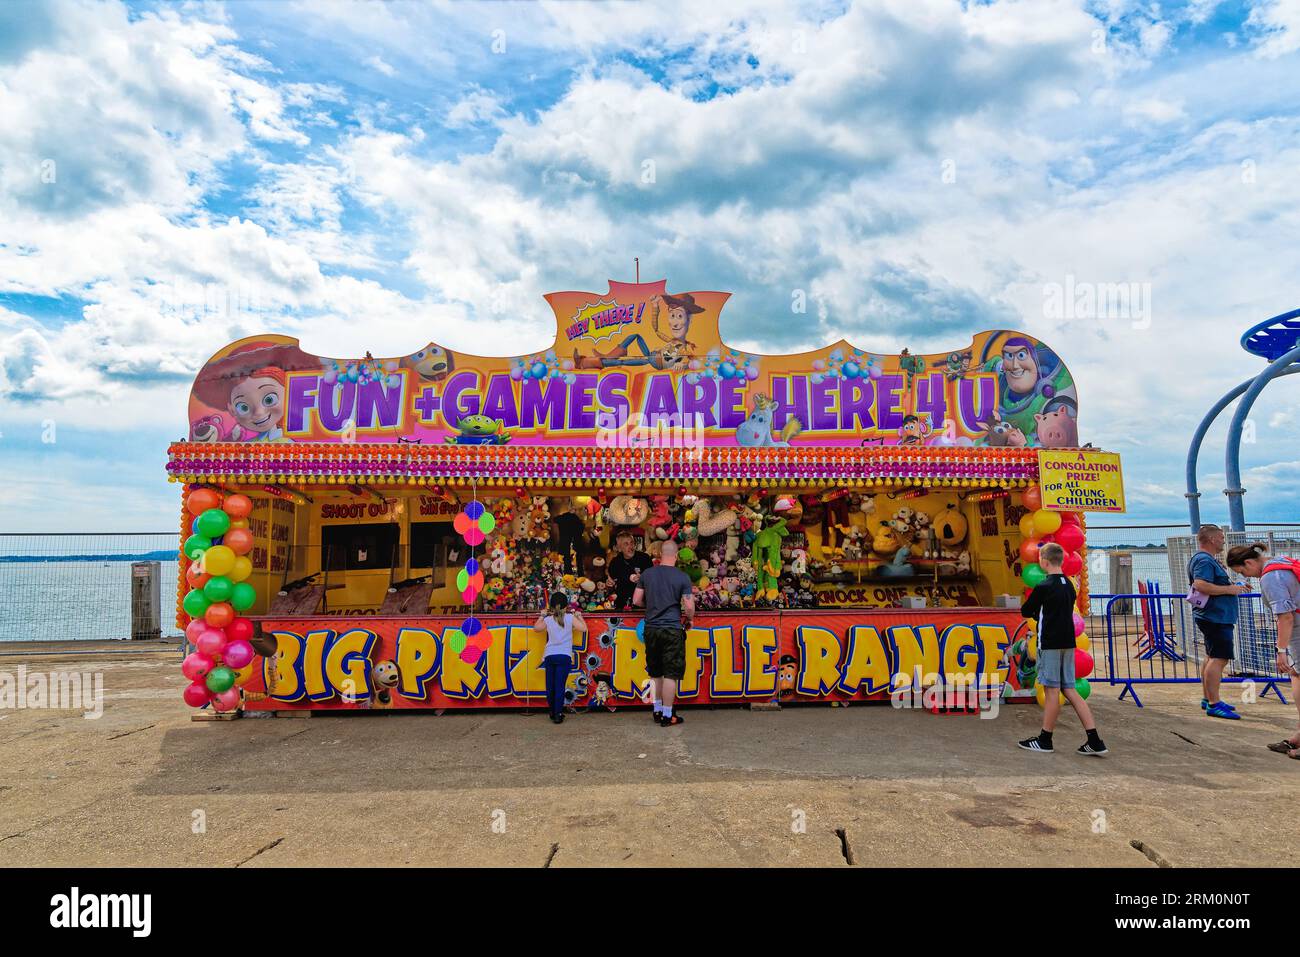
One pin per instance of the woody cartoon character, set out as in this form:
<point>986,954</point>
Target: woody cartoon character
<point>676,352</point>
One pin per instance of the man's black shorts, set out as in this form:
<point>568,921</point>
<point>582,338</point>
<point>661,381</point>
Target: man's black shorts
<point>1218,639</point>
<point>665,653</point>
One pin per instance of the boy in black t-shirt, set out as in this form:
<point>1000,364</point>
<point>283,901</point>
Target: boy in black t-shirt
<point>1051,604</point>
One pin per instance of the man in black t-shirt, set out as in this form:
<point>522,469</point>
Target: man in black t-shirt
<point>665,591</point>
<point>625,570</point>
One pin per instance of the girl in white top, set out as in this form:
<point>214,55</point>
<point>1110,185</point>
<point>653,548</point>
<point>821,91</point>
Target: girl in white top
<point>559,625</point>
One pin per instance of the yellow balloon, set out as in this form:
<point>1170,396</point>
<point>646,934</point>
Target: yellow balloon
<point>241,569</point>
<point>219,560</point>
<point>239,523</point>
<point>1040,693</point>
<point>1082,643</point>
<point>1027,526</point>
<point>1045,522</point>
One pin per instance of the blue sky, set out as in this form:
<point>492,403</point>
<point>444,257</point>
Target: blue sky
<point>369,176</point>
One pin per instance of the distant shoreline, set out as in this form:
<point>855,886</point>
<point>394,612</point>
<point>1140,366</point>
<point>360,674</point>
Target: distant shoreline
<point>160,556</point>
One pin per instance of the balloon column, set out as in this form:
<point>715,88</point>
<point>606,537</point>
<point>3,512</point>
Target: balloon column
<point>217,550</point>
<point>474,524</point>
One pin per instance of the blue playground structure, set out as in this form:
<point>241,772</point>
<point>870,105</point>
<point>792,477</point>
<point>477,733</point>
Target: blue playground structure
<point>1278,341</point>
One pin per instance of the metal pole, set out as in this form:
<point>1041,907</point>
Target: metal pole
<point>1193,495</point>
<point>1234,491</point>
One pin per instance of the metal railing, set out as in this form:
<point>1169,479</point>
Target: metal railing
<point>1149,637</point>
<point>77,587</point>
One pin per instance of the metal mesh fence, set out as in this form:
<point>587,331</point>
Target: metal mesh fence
<point>77,587</point>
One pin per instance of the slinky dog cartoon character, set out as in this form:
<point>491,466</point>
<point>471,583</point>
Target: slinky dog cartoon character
<point>384,677</point>
<point>479,430</point>
<point>756,430</point>
<point>432,363</point>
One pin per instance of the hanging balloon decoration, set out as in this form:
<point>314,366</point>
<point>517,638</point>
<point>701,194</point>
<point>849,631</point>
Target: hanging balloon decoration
<point>217,551</point>
<point>1039,526</point>
<point>474,524</point>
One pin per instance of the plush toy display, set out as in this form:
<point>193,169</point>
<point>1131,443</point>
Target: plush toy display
<point>767,558</point>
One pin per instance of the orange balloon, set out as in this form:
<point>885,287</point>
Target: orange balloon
<point>219,614</point>
<point>202,499</point>
<point>1033,498</point>
<point>240,540</point>
<point>1029,550</point>
<point>238,506</point>
<point>195,575</point>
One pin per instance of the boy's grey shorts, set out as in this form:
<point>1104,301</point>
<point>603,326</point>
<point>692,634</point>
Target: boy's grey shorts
<point>1056,667</point>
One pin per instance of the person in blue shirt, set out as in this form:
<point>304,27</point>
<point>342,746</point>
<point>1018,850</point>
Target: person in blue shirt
<point>1216,619</point>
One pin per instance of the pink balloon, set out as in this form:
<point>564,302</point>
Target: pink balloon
<point>470,655</point>
<point>196,666</point>
<point>195,628</point>
<point>1083,663</point>
<point>212,642</point>
<point>1080,626</point>
<point>228,700</point>
<point>237,654</point>
<point>196,695</point>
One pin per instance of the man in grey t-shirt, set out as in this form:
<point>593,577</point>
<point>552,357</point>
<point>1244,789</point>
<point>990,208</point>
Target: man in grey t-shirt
<point>1280,586</point>
<point>665,591</point>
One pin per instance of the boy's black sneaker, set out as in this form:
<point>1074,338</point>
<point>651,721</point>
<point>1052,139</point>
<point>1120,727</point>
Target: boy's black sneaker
<point>1097,750</point>
<point>658,717</point>
<point>1036,744</point>
<point>676,719</point>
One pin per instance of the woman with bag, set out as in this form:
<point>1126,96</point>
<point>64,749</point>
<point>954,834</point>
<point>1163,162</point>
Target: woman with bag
<point>1214,602</point>
<point>1279,582</point>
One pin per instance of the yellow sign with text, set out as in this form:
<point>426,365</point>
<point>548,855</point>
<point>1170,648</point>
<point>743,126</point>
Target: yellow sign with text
<point>1081,480</point>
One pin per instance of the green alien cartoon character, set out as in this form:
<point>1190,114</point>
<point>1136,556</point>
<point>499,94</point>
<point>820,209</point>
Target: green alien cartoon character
<point>479,430</point>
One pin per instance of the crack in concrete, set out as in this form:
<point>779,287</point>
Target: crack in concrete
<point>114,737</point>
<point>555,849</point>
<point>846,849</point>
<point>261,850</point>
<point>1150,853</point>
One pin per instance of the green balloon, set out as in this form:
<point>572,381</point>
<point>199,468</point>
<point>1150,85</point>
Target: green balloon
<point>195,603</point>
<point>242,596</point>
<point>213,523</point>
<point>486,523</point>
<point>195,546</point>
<point>219,588</point>
<point>457,641</point>
<point>220,679</point>
<point>1032,575</point>
<point>1084,687</point>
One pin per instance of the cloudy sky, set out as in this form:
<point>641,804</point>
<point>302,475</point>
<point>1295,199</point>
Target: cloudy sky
<point>369,176</point>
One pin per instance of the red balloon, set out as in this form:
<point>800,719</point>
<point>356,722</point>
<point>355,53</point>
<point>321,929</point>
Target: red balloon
<point>1070,537</point>
<point>196,695</point>
<point>196,627</point>
<point>202,499</point>
<point>1083,663</point>
<point>1029,550</point>
<point>240,629</point>
<point>1033,498</point>
<point>219,614</point>
<point>227,700</point>
<point>238,506</point>
<point>240,540</point>
<point>1072,564</point>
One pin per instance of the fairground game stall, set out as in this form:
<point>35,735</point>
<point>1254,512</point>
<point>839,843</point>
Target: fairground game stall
<point>381,533</point>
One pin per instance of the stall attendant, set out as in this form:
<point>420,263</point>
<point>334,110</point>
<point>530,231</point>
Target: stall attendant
<point>559,624</point>
<point>625,569</point>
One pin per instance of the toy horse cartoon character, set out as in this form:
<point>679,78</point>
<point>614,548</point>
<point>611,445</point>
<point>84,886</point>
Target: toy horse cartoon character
<point>756,431</point>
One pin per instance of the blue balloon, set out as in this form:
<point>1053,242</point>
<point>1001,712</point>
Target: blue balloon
<point>727,370</point>
<point>852,370</point>
<point>539,370</point>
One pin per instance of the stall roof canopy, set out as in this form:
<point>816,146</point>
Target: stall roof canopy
<point>635,366</point>
<point>594,468</point>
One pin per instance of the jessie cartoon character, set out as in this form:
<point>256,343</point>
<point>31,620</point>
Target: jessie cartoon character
<point>676,350</point>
